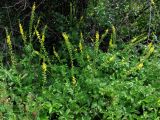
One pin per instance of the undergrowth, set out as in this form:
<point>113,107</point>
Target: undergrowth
<point>82,82</point>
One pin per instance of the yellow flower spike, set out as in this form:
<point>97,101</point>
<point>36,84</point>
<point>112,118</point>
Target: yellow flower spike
<point>65,36</point>
<point>150,45</point>
<point>152,2</point>
<point>74,80</point>
<point>80,46</point>
<point>22,33</point>
<point>34,7</point>
<point>139,66</point>
<point>31,22</point>
<point>134,39</point>
<point>9,41</point>
<point>113,29</point>
<point>68,44</point>
<point>81,37</point>
<point>104,34</point>
<point>97,36</point>
<point>36,52</point>
<point>88,57</point>
<point>56,54</point>
<point>44,67</point>
<point>35,28</point>
<point>112,58</point>
<point>81,41</point>
<point>97,41</point>
<point>43,38</point>
<point>38,35</point>
<point>113,36</point>
<point>151,50</point>
<point>106,31</point>
<point>110,42</point>
<point>21,29</point>
<point>43,34</point>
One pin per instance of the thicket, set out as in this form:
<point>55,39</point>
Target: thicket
<point>79,60</point>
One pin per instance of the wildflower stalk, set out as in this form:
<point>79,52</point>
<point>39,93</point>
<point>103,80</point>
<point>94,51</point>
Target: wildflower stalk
<point>113,34</point>
<point>22,33</point>
<point>96,46</point>
<point>41,38</point>
<point>31,21</point>
<point>141,64</point>
<point>150,50</point>
<point>104,35</point>
<point>81,42</point>
<point>9,44</point>
<point>81,47</point>
<point>113,37</point>
<point>69,48</point>
<point>36,26</point>
<point>44,69</point>
<point>56,55</point>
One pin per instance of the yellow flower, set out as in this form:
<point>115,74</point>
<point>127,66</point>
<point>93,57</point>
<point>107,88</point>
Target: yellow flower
<point>34,7</point>
<point>44,67</point>
<point>110,42</point>
<point>112,58</point>
<point>97,36</point>
<point>43,34</point>
<point>113,36</point>
<point>21,29</point>
<point>9,41</point>
<point>43,38</point>
<point>113,29</point>
<point>73,80</point>
<point>88,57</point>
<point>66,37</point>
<point>104,34</point>
<point>56,54</point>
<point>152,2</point>
<point>151,50</point>
<point>80,46</point>
<point>38,35</point>
<point>36,52</point>
<point>22,33</point>
<point>150,45</point>
<point>139,66</point>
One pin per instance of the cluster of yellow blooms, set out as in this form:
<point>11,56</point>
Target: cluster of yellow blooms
<point>9,43</point>
<point>44,69</point>
<point>68,44</point>
<point>22,33</point>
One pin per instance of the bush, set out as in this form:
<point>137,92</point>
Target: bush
<point>81,81</point>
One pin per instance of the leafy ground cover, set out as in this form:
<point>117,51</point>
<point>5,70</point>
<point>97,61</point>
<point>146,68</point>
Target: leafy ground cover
<point>81,82</point>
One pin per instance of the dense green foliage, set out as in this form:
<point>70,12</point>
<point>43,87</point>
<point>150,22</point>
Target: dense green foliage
<point>94,60</point>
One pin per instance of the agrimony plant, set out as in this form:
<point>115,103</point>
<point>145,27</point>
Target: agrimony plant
<point>9,44</point>
<point>69,48</point>
<point>31,21</point>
